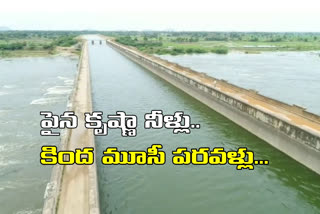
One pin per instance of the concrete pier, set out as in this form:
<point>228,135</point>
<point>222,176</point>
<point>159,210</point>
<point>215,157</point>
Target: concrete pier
<point>74,188</point>
<point>290,129</point>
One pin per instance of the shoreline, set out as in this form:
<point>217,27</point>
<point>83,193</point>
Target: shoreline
<point>240,51</point>
<point>59,51</point>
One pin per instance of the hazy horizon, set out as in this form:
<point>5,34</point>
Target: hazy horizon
<point>139,15</point>
<point>151,30</point>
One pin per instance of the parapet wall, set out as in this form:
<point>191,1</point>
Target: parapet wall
<point>290,129</point>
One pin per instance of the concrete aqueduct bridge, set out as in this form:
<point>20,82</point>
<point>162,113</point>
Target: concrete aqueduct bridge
<point>74,188</point>
<point>290,129</point>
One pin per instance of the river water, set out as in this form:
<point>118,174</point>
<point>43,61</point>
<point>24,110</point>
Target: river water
<point>292,77</point>
<point>284,186</point>
<point>28,86</point>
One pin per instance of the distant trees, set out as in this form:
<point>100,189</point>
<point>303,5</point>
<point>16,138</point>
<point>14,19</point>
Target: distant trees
<point>254,39</point>
<point>13,46</point>
<point>156,46</point>
<point>65,41</point>
<point>127,40</point>
<point>220,50</point>
<point>31,46</point>
<point>48,46</point>
<point>275,39</point>
<point>34,40</point>
<point>185,39</point>
<point>216,38</point>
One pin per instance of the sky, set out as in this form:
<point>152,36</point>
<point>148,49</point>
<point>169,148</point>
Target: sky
<point>192,15</point>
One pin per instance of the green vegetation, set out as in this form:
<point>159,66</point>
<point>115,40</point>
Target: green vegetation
<point>38,43</point>
<point>64,41</point>
<point>156,46</point>
<point>13,46</point>
<point>127,40</point>
<point>174,43</point>
<point>35,43</point>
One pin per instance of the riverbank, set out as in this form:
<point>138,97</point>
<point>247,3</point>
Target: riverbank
<point>219,47</point>
<point>245,46</point>
<point>177,43</point>
<point>15,44</point>
<point>73,51</point>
